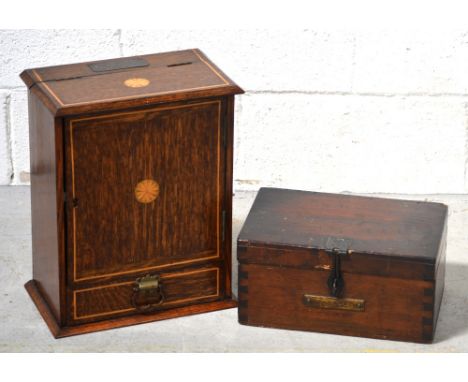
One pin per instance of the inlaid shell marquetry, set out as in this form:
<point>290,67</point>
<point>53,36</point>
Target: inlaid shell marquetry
<point>136,82</point>
<point>146,191</point>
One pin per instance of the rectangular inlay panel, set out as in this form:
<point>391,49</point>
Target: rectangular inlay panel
<point>114,230</point>
<point>178,289</point>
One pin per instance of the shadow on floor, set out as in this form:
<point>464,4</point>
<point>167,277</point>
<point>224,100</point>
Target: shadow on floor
<point>453,316</point>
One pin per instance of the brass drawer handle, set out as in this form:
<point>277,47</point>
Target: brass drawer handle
<point>327,302</point>
<point>147,294</point>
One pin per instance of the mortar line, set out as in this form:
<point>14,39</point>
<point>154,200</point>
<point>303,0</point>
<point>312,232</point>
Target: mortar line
<point>466,147</point>
<point>307,92</point>
<point>353,63</point>
<point>119,40</point>
<point>359,94</point>
<point>8,136</point>
<point>23,87</point>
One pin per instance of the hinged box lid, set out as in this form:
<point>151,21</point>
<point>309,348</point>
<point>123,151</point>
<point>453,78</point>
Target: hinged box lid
<point>385,237</point>
<point>128,82</point>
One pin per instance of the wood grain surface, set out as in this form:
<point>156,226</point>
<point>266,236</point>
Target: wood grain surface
<point>394,308</point>
<point>179,289</point>
<point>111,233</point>
<point>172,76</point>
<point>59,331</point>
<point>395,228</point>
<point>45,133</point>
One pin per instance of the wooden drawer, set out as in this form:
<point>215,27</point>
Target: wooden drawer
<point>117,298</point>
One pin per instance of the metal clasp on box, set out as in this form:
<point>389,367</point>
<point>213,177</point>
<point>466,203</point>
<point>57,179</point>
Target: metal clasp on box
<point>336,247</point>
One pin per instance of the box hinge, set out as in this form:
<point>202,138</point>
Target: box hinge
<point>338,245</point>
<point>74,201</point>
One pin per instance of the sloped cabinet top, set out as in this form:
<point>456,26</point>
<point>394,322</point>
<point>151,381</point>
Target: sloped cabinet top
<point>128,82</point>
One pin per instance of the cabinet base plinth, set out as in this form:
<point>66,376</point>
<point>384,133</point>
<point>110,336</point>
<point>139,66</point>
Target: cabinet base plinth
<point>59,332</point>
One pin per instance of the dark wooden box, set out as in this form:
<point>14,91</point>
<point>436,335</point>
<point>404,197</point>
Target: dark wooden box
<point>131,188</point>
<point>342,264</point>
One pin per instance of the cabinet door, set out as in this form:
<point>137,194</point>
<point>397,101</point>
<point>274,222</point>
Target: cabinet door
<point>145,190</point>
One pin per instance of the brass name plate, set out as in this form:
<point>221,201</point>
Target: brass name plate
<point>326,302</point>
<point>118,63</point>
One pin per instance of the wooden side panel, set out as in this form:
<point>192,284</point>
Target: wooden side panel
<point>45,139</point>
<point>228,143</point>
<point>394,308</point>
<point>440,279</point>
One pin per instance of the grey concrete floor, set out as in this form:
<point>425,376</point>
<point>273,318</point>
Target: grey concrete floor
<point>23,330</point>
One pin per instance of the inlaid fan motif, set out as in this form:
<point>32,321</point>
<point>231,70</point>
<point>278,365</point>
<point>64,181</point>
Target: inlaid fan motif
<point>146,191</point>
